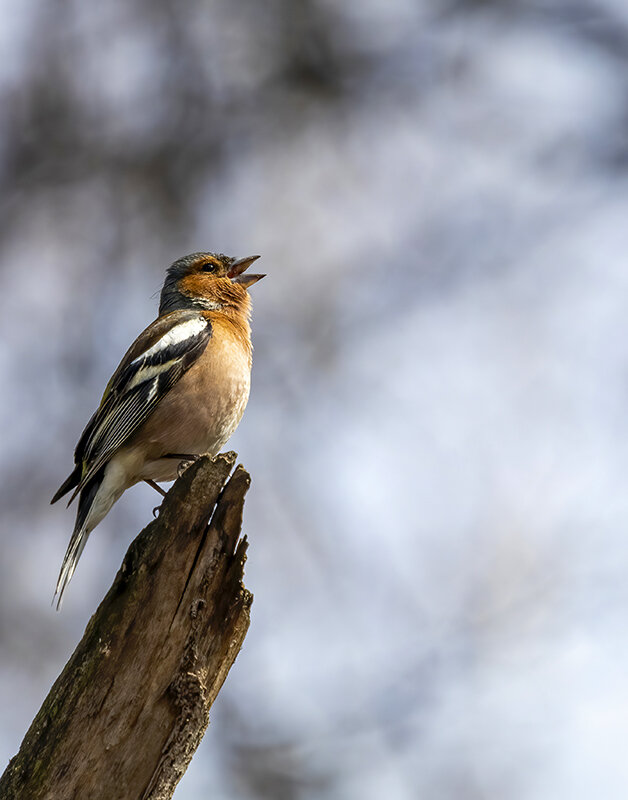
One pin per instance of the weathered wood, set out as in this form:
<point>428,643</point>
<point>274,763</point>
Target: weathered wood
<point>125,716</point>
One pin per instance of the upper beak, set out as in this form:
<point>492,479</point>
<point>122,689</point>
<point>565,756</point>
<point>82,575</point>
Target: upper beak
<point>237,269</point>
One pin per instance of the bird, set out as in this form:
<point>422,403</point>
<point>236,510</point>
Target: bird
<point>179,392</point>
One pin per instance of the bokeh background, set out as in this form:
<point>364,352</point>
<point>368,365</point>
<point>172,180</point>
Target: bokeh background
<point>437,430</point>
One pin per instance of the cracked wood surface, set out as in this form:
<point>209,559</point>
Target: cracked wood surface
<point>131,706</point>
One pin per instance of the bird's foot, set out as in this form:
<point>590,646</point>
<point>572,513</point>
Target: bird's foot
<point>185,463</point>
<point>186,460</point>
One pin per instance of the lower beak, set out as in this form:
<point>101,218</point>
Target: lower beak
<point>237,269</point>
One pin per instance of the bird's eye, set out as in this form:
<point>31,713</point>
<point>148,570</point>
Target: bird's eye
<point>209,266</point>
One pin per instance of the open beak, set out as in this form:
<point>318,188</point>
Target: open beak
<point>239,267</point>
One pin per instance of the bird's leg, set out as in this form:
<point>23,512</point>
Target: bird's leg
<point>187,459</point>
<point>156,487</point>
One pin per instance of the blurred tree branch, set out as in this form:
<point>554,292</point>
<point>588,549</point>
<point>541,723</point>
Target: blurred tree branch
<point>130,708</point>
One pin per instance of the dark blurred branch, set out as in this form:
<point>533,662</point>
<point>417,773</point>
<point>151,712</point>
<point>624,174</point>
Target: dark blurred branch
<point>130,708</point>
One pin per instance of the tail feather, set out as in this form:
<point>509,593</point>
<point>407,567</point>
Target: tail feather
<point>69,483</point>
<point>79,536</point>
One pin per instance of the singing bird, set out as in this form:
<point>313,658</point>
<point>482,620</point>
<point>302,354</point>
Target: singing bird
<point>179,392</point>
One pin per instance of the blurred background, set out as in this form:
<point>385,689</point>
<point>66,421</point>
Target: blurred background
<point>437,430</point>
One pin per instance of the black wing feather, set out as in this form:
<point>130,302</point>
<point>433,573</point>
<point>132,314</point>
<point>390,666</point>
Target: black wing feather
<point>134,391</point>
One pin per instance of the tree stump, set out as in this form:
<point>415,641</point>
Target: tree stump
<point>127,713</point>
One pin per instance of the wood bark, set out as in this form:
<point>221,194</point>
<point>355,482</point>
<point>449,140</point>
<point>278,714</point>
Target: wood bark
<point>131,706</point>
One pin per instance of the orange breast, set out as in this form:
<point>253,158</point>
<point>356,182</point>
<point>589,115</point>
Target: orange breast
<point>203,409</point>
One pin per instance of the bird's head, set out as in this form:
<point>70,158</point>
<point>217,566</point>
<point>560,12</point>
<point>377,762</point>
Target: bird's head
<point>211,281</point>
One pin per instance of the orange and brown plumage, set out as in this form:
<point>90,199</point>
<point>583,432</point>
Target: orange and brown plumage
<point>181,389</point>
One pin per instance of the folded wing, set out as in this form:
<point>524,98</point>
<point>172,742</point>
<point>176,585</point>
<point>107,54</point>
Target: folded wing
<point>151,367</point>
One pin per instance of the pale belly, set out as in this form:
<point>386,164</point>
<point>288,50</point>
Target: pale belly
<point>196,417</point>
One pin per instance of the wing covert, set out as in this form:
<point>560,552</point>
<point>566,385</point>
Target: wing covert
<point>151,367</point>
